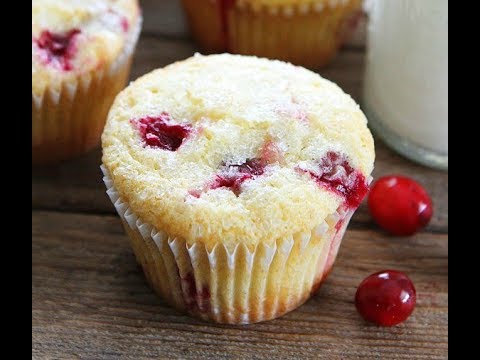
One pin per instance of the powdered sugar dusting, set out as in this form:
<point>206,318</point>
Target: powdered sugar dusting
<point>239,176</point>
<point>334,172</point>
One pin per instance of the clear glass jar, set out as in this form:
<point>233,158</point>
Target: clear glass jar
<point>406,80</point>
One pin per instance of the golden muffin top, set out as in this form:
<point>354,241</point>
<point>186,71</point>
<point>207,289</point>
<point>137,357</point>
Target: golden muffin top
<point>229,148</point>
<point>70,37</point>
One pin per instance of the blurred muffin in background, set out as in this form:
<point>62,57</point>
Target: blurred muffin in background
<point>303,32</point>
<point>81,56</point>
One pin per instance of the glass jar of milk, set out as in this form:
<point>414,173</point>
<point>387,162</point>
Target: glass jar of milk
<point>406,80</point>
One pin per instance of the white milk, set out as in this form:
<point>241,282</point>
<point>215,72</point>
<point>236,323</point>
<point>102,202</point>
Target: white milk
<point>406,80</point>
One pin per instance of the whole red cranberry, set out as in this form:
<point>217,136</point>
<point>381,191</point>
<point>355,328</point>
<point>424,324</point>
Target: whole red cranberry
<point>386,298</point>
<point>400,205</point>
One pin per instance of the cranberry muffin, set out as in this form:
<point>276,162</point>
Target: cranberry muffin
<point>81,54</point>
<point>235,178</point>
<point>304,32</point>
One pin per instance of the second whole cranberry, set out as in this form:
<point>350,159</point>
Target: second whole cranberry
<point>386,298</point>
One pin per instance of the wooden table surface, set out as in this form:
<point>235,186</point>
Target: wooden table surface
<point>90,300</point>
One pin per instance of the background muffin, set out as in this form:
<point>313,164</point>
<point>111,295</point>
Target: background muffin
<point>81,54</point>
<point>304,32</point>
<point>235,178</point>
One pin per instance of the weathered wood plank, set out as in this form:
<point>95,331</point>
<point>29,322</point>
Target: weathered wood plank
<point>89,300</point>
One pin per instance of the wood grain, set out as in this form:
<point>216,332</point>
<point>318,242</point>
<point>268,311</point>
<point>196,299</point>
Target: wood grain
<point>90,300</point>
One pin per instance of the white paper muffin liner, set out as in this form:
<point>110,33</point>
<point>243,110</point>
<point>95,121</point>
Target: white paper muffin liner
<point>238,285</point>
<point>68,116</point>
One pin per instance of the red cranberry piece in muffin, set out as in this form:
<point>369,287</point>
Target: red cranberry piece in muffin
<point>334,172</point>
<point>161,131</point>
<point>58,49</point>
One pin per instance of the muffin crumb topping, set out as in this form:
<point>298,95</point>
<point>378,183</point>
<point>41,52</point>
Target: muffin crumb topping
<point>71,38</point>
<point>202,148</point>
